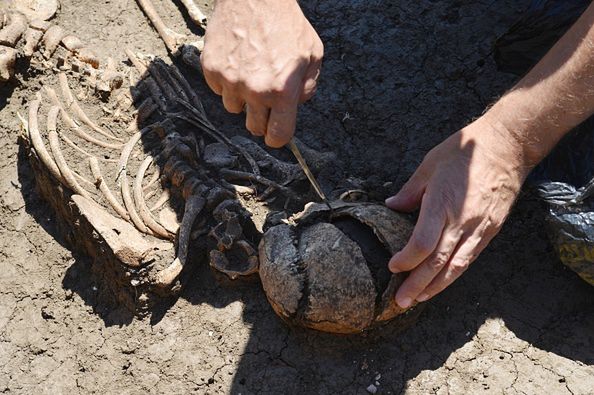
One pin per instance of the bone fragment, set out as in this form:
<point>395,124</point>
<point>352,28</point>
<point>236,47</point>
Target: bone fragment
<point>72,43</point>
<point>7,62</point>
<point>39,24</point>
<point>12,33</point>
<point>110,79</point>
<point>168,219</point>
<point>38,9</point>
<point>51,39</point>
<point>166,277</point>
<point>88,56</point>
<point>32,39</point>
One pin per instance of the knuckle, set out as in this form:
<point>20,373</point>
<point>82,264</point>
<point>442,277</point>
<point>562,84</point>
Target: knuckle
<point>207,63</point>
<point>318,51</point>
<point>437,261</point>
<point>459,266</point>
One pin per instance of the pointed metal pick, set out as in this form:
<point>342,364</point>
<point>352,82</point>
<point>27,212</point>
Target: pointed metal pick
<point>312,179</point>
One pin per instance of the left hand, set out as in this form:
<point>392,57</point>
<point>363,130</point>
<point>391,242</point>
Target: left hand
<point>465,188</point>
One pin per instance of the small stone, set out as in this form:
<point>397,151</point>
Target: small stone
<point>372,389</point>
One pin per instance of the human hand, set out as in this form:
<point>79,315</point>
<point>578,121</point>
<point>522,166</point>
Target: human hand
<point>465,188</point>
<point>264,57</point>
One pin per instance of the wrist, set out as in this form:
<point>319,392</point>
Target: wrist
<point>506,147</point>
<point>532,138</point>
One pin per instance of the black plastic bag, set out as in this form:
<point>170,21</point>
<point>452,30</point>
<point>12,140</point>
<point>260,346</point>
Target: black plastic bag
<point>565,179</point>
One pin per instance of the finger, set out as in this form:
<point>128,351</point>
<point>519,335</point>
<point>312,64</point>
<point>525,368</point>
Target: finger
<point>424,238</point>
<point>281,126</point>
<point>423,275</point>
<point>469,249</point>
<point>410,195</point>
<point>233,103</point>
<point>211,79</point>
<point>311,79</point>
<point>256,119</point>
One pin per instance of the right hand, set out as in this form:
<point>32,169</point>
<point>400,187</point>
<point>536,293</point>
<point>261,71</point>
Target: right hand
<point>265,57</point>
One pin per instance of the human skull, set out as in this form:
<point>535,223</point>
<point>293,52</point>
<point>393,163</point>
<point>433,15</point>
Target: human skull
<point>327,269</point>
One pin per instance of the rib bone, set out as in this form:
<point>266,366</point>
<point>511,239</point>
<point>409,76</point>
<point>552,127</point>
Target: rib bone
<point>72,103</point>
<point>144,212</point>
<point>68,176</point>
<point>37,142</point>
<point>166,277</point>
<point>104,188</point>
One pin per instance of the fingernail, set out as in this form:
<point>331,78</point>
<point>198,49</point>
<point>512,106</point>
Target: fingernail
<point>391,200</point>
<point>422,297</point>
<point>404,302</point>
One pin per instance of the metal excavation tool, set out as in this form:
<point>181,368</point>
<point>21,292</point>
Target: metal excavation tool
<point>312,179</point>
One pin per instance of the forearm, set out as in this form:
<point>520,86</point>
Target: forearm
<point>557,95</point>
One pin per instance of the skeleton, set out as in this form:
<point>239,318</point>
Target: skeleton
<point>130,147</point>
<point>169,152</point>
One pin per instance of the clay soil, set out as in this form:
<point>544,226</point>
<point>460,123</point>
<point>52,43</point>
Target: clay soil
<point>399,76</point>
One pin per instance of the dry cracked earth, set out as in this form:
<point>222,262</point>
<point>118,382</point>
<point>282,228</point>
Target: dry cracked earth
<point>399,76</point>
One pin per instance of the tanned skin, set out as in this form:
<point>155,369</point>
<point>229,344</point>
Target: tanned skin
<point>263,56</point>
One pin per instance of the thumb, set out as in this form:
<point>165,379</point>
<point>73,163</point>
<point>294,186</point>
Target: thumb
<point>410,195</point>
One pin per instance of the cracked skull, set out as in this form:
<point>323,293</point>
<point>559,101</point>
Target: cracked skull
<point>328,270</point>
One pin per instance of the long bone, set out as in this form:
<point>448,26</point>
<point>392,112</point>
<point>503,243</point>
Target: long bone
<point>72,104</point>
<point>104,188</point>
<point>67,174</point>
<point>144,212</point>
<point>172,39</point>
